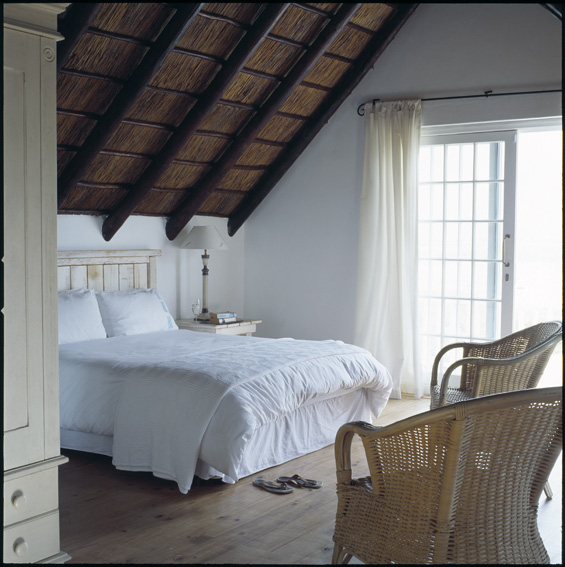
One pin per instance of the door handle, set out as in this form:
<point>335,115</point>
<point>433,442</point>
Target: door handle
<point>506,264</point>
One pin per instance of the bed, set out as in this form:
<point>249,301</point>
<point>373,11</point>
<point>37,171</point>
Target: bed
<point>179,403</point>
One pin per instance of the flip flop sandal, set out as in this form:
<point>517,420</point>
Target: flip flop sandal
<point>273,487</point>
<point>299,482</point>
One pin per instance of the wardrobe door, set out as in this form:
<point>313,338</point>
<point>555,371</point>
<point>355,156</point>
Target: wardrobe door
<point>31,393</point>
<point>23,305</point>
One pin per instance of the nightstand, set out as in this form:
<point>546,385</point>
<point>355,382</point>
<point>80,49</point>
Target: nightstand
<point>241,327</point>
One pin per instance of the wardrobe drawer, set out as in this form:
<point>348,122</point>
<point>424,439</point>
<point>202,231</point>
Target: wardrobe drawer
<point>32,540</point>
<point>30,495</point>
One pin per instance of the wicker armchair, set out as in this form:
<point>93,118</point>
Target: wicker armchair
<point>515,362</point>
<point>458,484</point>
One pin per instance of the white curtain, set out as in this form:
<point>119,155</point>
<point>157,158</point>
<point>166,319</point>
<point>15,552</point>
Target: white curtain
<point>386,322</point>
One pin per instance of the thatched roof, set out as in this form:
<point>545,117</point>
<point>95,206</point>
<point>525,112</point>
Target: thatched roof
<point>176,110</point>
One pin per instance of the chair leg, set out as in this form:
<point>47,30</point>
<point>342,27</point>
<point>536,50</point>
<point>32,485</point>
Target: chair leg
<point>548,491</point>
<point>340,556</point>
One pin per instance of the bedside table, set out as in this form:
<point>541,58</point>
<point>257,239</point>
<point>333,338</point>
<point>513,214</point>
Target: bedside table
<point>242,327</point>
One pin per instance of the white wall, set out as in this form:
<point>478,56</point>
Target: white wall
<point>301,243</point>
<point>179,271</point>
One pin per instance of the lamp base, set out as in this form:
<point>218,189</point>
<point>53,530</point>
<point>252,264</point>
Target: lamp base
<point>203,317</point>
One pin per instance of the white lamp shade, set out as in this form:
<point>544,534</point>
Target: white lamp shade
<point>204,238</point>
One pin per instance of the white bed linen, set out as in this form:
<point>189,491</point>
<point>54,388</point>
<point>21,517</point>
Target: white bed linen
<point>157,394</point>
<point>309,428</point>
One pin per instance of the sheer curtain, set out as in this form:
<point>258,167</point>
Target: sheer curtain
<point>386,321</point>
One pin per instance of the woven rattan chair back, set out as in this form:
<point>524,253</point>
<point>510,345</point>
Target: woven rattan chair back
<point>515,362</point>
<point>458,484</point>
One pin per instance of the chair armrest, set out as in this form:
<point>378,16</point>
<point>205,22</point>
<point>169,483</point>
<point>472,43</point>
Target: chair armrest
<point>370,433</point>
<point>440,355</point>
<point>477,361</point>
<point>447,374</point>
<point>342,447</point>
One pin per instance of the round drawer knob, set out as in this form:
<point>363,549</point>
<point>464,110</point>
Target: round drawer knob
<point>20,547</point>
<point>19,500</point>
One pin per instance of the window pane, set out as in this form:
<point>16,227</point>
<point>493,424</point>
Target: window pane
<point>423,314</point>
<point>487,280</point>
<point>429,277</point>
<point>488,241</point>
<point>429,312</point>
<point>459,162</point>
<point>423,277</point>
<point>466,165</point>
<point>457,318</point>
<point>459,201</point>
<point>424,164</point>
<point>452,201</point>
<point>434,316</point>
<point>463,319</point>
<point>488,201</point>
<point>457,279</point>
<point>490,159</point>
<point>452,163</point>
<point>423,240</point>
<point>424,201</point>
<point>436,239</point>
<point>458,240</point>
<point>450,316</point>
<point>486,319</point>
<point>435,277</point>
<point>429,347</point>
<point>436,201</point>
<point>437,163</point>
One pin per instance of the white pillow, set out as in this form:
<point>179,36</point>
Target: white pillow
<point>133,312</point>
<point>79,316</point>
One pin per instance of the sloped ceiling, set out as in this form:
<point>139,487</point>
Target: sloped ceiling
<point>176,110</point>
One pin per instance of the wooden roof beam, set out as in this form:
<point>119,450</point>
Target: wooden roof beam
<point>198,195</point>
<point>206,101</point>
<point>125,98</point>
<point>344,88</point>
<point>73,26</point>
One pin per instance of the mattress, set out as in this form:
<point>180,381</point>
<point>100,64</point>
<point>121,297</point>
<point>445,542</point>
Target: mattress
<point>180,403</point>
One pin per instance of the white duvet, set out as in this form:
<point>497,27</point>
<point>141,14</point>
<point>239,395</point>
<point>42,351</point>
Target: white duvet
<point>158,393</point>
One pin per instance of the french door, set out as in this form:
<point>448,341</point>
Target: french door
<point>466,239</point>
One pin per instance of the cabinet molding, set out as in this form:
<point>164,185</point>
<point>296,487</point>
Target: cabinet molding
<point>35,18</point>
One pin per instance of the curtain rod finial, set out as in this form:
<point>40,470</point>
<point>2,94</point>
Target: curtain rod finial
<point>361,107</point>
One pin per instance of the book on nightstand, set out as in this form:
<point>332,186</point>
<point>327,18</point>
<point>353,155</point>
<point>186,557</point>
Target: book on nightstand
<point>223,317</point>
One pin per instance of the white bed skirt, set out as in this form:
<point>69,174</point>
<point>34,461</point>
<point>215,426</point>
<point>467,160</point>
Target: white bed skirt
<point>308,429</point>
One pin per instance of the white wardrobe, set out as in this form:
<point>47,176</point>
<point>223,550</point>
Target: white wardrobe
<point>31,395</point>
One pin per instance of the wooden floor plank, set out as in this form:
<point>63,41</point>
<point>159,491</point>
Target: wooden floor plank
<point>111,516</point>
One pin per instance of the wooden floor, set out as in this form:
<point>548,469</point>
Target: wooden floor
<point>111,516</point>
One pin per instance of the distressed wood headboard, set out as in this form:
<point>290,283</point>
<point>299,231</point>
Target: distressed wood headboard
<point>107,270</point>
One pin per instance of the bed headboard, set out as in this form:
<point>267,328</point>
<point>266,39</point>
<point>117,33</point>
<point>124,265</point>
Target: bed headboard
<point>107,270</point>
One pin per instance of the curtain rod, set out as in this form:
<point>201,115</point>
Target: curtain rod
<point>486,94</point>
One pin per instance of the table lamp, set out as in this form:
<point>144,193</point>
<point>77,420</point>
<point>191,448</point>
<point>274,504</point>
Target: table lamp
<point>204,238</point>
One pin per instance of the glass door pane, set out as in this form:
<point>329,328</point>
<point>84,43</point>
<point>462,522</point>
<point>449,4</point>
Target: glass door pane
<point>465,228</point>
<point>539,237</point>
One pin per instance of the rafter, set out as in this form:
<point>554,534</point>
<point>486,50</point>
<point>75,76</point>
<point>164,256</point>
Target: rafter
<point>344,88</point>
<point>242,53</point>
<point>190,206</point>
<point>73,26</point>
<point>123,101</point>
